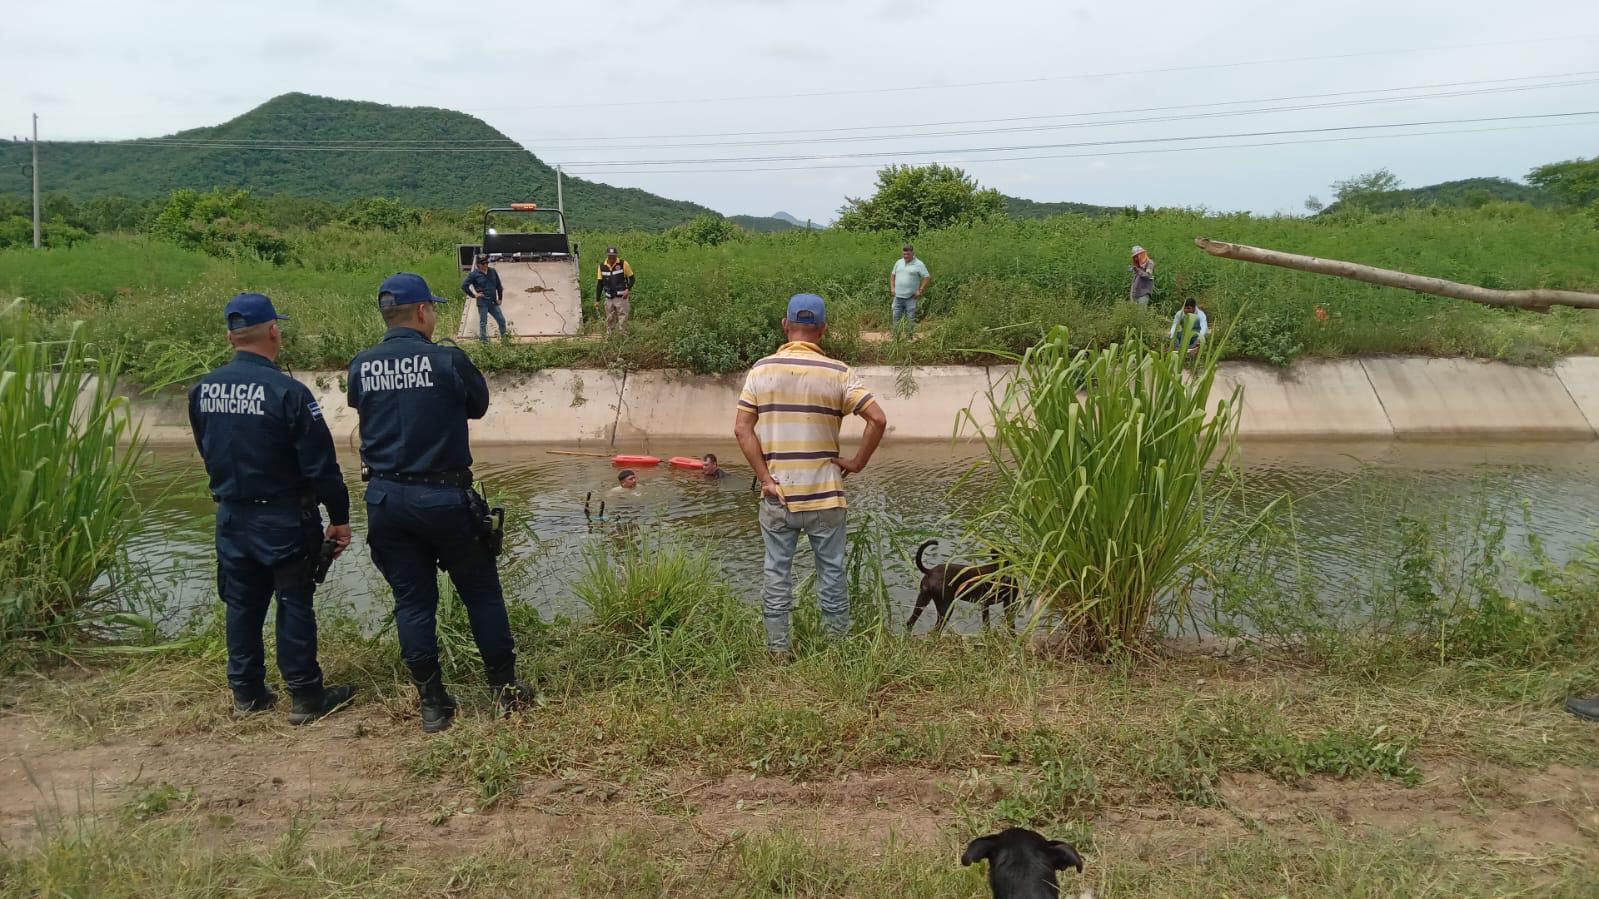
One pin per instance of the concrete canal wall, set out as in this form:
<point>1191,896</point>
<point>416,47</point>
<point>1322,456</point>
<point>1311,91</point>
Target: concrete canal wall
<point>1401,398</point>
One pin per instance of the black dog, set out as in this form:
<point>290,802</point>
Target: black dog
<point>1021,863</point>
<point>943,584</point>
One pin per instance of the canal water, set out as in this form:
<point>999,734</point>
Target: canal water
<point>1347,501</point>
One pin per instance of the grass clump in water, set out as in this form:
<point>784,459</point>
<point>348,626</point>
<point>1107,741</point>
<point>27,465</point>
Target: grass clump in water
<point>67,468</point>
<point>1105,463</point>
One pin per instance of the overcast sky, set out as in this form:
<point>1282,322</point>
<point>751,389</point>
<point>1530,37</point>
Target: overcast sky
<point>559,76</point>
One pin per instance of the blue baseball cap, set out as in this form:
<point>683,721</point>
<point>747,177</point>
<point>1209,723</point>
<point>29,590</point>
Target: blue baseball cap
<point>807,309</point>
<point>404,289</point>
<point>248,309</point>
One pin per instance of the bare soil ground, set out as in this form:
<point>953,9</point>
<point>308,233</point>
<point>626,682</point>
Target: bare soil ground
<point>344,777</point>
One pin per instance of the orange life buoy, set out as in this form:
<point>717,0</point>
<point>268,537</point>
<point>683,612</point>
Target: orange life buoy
<point>625,459</point>
<point>687,462</point>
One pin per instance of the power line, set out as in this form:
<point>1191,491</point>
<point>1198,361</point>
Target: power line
<point>868,154</point>
<point>1198,67</point>
<point>1096,155</point>
<point>1098,143</point>
<point>1038,117</point>
<point>1229,113</point>
<point>1394,51</point>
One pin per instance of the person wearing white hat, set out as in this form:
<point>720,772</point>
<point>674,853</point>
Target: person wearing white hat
<point>1143,269</point>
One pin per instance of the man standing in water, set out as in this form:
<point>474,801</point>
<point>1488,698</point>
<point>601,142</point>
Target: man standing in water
<point>414,398</point>
<point>710,470</point>
<point>271,462</point>
<point>789,414</point>
<point>1143,270</point>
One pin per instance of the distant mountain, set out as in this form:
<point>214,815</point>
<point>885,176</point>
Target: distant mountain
<point>1018,208</point>
<point>1467,192</point>
<point>762,223</point>
<point>256,151</point>
<point>785,217</point>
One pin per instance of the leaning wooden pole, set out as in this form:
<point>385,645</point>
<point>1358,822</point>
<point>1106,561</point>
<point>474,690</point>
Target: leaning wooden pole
<point>1538,299</point>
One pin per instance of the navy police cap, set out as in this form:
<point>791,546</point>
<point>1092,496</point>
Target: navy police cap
<point>249,309</point>
<point>404,289</point>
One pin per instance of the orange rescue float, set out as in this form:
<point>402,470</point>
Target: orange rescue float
<point>641,461</point>
<point>687,462</point>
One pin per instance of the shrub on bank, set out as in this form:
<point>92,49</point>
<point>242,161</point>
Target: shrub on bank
<point>67,487</point>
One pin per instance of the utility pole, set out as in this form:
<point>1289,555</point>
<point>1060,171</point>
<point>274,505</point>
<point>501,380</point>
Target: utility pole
<point>559,205</point>
<point>36,181</point>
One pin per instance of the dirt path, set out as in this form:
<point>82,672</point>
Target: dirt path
<point>344,776</point>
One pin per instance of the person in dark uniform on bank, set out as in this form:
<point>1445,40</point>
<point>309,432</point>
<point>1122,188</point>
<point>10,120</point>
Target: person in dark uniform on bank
<point>414,398</point>
<point>271,461</point>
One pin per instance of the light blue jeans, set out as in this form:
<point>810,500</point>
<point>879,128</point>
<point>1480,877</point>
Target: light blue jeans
<point>905,307</point>
<point>829,537</point>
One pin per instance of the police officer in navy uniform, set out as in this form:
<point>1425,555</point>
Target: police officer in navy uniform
<point>271,462</point>
<point>414,398</point>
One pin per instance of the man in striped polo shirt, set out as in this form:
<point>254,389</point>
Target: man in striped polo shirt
<point>789,414</point>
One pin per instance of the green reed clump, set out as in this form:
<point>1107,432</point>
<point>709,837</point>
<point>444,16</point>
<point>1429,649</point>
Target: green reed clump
<point>663,612</point>
<point>1104,459</point>
<point>67,466</point>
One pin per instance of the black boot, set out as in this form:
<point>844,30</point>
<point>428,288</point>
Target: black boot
<point>1587,709</point>
<point>510,694</point>
<point>255,705</point>
<point>514,697</point>
<point>438,707</point>
<point>310,706</point>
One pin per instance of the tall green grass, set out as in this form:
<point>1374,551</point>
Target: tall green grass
<point>996,286</point>
<point>68,461</point>
<point>1105,466</point>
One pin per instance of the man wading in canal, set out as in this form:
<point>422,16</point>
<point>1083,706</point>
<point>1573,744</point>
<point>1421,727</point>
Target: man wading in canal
<point>414,398</point>
<point>789,414</point>
<point>270,459</point>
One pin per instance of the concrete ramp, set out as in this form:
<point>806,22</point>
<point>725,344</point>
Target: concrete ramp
<point>542,299</point>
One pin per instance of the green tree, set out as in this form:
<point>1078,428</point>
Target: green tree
<point>707,230</point>
<point>915,198</point>
<point>1575,181</point>
<point>382,213</point>
<point>1365,190</point>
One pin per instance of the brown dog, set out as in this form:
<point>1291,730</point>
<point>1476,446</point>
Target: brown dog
<point>943,584</point>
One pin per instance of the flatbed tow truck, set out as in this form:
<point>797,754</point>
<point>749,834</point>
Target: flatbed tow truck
<point>538,270</point>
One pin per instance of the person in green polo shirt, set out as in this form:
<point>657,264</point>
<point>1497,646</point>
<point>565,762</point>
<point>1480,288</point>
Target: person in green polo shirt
<point>907,281</point>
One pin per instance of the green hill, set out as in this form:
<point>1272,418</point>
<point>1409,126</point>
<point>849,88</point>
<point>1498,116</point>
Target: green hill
<point>448,180</point>
<point>1018,208</point>
<point>1466,192</point>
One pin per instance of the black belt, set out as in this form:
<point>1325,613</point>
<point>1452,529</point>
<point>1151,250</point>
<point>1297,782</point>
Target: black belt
<point>286,502</point>
<point>460,477</point>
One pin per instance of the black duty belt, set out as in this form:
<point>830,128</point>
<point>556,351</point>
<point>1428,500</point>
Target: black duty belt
<point>460,477</point>
<point>286,502</point>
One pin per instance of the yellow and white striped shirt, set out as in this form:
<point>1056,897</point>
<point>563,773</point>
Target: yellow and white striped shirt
<point>800,398</point>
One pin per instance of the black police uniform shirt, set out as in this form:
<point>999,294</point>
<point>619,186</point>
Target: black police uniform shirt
<point>414,398</point>
<point>262,437</point>
<point>487,284</point>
